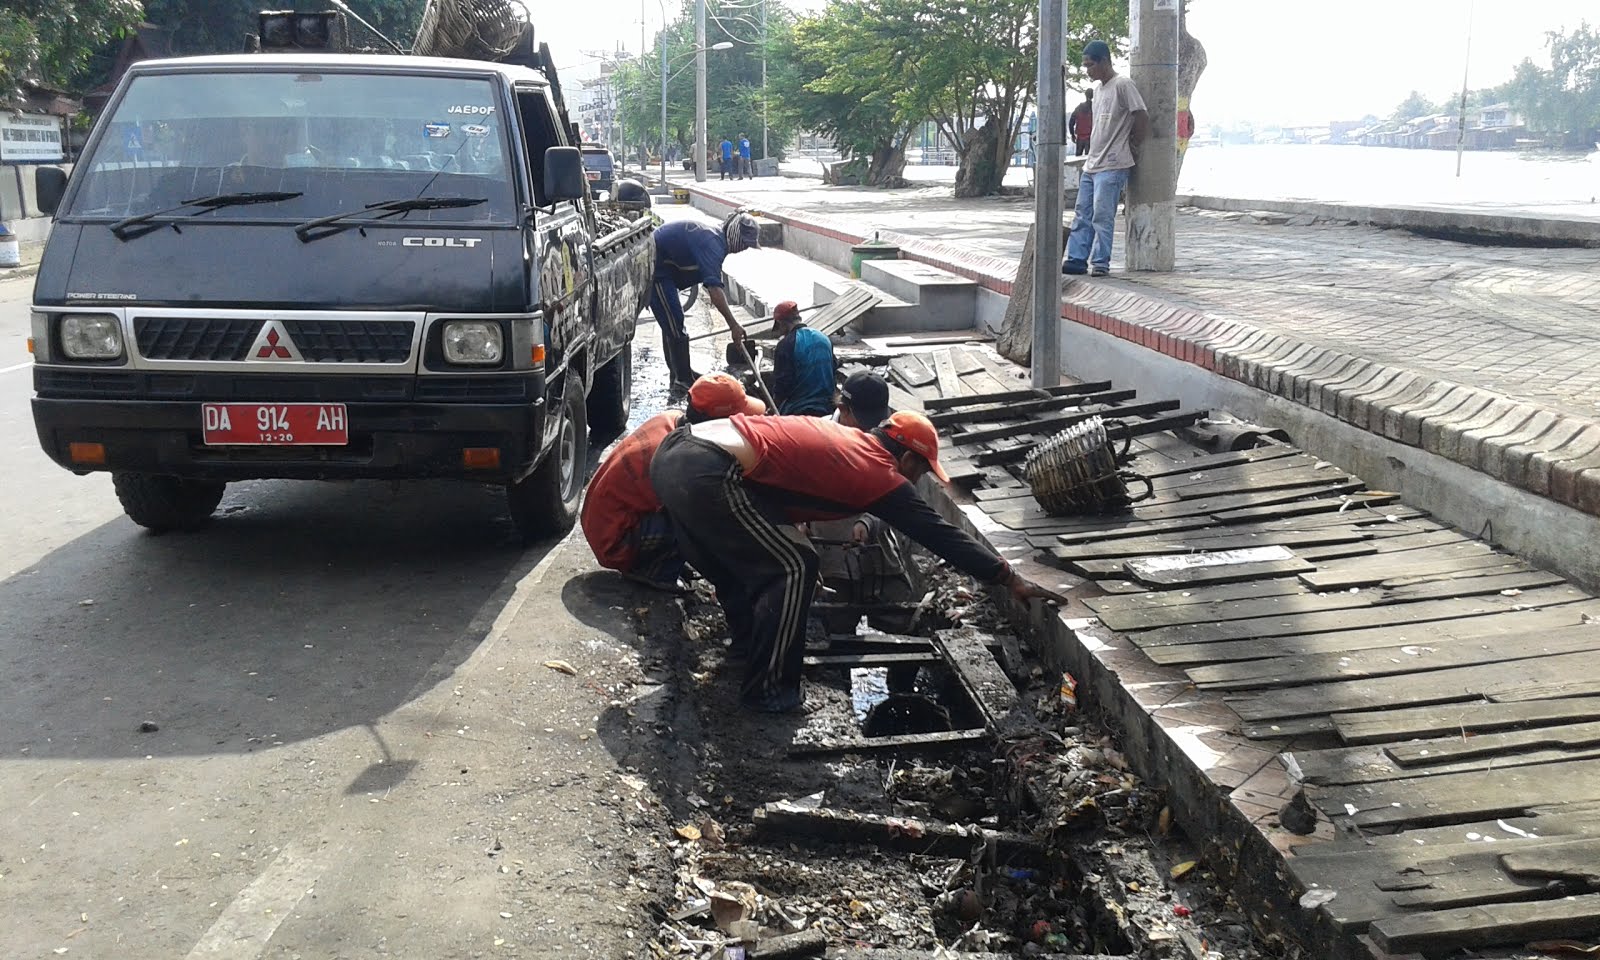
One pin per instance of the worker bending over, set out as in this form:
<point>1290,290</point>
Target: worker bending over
<point>731,487</point>
<point>622,517</point>
<point>687,253</point>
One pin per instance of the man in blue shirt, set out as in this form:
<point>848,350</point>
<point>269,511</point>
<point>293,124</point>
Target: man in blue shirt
<point>802,366</point>
<point>689,252</point>
<point>727,156</point>
<point>744,158</point>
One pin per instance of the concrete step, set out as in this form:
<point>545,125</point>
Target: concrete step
<point>943,300</point>
<point>761,279</point>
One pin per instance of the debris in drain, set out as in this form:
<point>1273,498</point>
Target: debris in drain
<point>958,801</point>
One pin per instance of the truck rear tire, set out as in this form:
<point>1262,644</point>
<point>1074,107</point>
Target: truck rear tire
<point>163,504</point>
<point>545,502</point>
<point>611,400</point>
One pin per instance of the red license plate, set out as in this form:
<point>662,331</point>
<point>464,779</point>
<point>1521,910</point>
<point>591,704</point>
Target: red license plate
<point>593,174</point>
<point>275,424</point>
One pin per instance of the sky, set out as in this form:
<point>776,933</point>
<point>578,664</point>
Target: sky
<point>1278,61</point>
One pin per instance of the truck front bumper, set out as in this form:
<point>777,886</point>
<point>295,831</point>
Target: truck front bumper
<point>387,441</point>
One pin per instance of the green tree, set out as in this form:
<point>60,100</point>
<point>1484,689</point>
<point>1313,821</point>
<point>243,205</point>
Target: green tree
<point>1563,100</point>
<point>733,79</point>
<point>51,41</point>
<point>1413,106</point>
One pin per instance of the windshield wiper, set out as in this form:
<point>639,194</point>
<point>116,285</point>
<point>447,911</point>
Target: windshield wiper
<point>387,208</point>
<point>120,228</point>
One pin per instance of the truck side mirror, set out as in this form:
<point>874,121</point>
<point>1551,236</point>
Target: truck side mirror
<point>49,185</point>
<point>564,177</point>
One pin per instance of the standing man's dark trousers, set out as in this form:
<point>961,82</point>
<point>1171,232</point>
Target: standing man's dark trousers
<point>764,578</point>
<point>668,310</point>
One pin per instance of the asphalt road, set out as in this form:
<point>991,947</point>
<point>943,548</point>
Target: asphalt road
<point>360,751</point>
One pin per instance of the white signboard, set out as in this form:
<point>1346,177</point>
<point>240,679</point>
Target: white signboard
<point>27,137</point>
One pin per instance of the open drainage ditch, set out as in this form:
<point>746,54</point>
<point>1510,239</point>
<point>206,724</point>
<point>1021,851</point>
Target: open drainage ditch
<point>942,795</point>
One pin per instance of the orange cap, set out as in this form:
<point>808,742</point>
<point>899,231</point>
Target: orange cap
<point>720,395</point>
<point>785,310</point>
<point>915,432</point>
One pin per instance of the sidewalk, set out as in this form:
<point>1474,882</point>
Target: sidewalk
<point>1487,356</point>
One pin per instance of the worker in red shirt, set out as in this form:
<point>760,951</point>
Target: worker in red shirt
<point>622,517</point>
<point>731,487</point>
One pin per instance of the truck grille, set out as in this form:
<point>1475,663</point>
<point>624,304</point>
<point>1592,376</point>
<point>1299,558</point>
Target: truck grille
<point>351,341</point>
<point>194,338</point>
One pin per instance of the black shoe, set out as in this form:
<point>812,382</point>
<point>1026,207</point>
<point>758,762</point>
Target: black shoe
<point>1100,272</point>
<point>1074,268</point>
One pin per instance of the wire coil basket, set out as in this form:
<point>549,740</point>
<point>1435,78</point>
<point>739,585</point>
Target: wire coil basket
<point>1075,472</point>
<point>470,29</point>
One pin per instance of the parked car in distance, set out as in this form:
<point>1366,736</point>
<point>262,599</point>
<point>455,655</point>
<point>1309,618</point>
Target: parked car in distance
<point>599,168</point>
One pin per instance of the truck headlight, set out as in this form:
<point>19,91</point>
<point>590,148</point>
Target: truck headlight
<point>91,336</point>
<point>473,341</point>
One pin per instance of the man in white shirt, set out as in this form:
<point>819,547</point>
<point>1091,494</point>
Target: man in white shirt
<point>1119,129</point>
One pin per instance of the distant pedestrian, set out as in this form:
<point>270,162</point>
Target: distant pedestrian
<point>1120,126</point>
<point>744,158</point>
<point>1081,123</point>
<point>727,156</point>
<point>802,366</point>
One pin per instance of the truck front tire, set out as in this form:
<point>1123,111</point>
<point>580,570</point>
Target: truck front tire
<point>163,504</point>
<point>611,399</point>
<point>545,502</point>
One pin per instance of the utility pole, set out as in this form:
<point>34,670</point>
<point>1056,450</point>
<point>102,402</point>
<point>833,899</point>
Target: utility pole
<point>764,153</point>
<point>1466,72</point>
<point>1153,25</point>
<point>699,91</point>
<point>663,65</point>
<point>1046,353</point>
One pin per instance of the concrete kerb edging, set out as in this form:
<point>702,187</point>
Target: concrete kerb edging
<point>1441,418</point>
<point>1513,226</point>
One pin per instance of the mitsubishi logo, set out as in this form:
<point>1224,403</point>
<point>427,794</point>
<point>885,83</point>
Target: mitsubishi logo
<point>272,349</point>
<point>273,343</point>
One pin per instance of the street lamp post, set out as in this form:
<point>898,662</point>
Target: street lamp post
<point>699,52</point>
<point>700,91</point>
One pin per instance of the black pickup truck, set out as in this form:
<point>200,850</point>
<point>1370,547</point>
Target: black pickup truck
<point>328,266</point>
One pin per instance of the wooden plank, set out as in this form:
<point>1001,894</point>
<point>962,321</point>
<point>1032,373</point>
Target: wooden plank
<point>1170,489</point>
<point>1268,480</point>
<point>982,382</point>
<point>944,368</point>
<point>1227,540</point>
<point>1328,621</point>
<point>1345,766</point>
<point>941,340</point>
<point>1036,518</point>
<point>966,361</point>
<point>1217,460</point>
<point>906,834</point>
<point>1567,737</point>
<point>1439,686</point>
<point>1461,719</point>
<point>1044,426</point>
<point>901,400</point>
<point>1542,610</point>
<point>848,661</point>
<point>911,371</point>
<point>1008,396</point>
<point>1149,424</point>
<point>1217,567</point>
<point>1007,372</point>
<point>909,742</point>
<point>1446,557</point>
<point>980,674</point>
<point>1026,408</point>
<point>1112,529</point>
<point>1146,600</point>
<point>1439,654</point>
<point>844,310</point>
<point>1441,931</point>
<point>1343,504</point>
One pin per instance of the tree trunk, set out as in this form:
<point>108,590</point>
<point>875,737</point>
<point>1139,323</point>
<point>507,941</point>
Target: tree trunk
<point>1016,333</point>
<point>887,166</point>
<point>979,175</point>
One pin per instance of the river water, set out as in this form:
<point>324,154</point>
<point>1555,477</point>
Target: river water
<point>1392,175</point>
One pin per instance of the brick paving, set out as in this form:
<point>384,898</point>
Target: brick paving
<point>1486,355</point>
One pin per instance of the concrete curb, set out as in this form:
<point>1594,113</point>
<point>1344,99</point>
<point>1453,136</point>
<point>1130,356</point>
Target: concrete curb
<point>1543,451</point>
<point>1515,227</point>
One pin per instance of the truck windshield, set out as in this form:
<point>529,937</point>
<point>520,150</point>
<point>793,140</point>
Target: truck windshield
<point>329,141</point>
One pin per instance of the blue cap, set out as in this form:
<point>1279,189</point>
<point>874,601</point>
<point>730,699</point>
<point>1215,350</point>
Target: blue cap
<point>1096,50</point>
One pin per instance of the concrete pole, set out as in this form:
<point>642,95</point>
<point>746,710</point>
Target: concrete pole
<point>663,66</point>
<point>1153,25</point>
<point>1047,195</point>
<point>764,153</point>
<point>700,91</point>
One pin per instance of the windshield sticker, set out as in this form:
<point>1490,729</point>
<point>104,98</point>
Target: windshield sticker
<point>474,129</point>
<point>471,110</point>
<point>436,131</point>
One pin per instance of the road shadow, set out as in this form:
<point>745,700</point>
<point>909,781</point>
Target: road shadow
<point>303,608</point>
